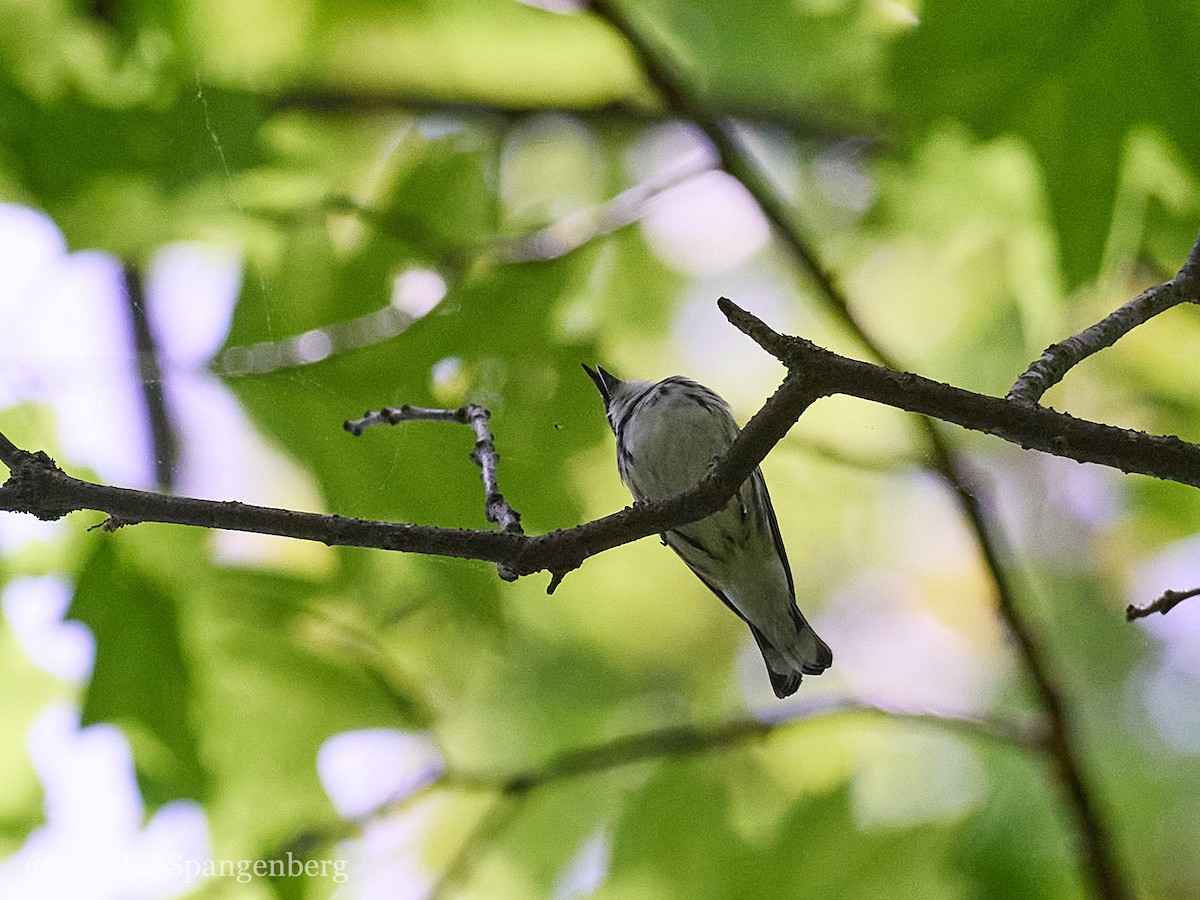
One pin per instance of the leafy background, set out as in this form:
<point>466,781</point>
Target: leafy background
<point>339,196</point>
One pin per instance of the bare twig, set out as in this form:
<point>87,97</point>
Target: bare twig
<point>1050,368</point>
<point>483,454</point>
<point>1164,604</point>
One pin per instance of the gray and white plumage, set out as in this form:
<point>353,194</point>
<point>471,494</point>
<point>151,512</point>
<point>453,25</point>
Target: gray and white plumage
<point>668,434</point>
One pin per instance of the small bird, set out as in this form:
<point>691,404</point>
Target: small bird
<point>668,435</point>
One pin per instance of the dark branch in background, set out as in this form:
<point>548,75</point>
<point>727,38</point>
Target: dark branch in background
<point>484,455</point>
<point>339,101</point>
<point>1100,859</point>
<point>1164,604</point>
<point>164,445</point>
<point>1049,369</point>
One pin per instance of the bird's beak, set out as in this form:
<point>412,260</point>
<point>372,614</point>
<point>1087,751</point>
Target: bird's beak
<point>606,382</point>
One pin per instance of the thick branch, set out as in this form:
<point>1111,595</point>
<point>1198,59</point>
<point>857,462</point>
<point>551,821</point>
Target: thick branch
<point>1033,428</point>
<point>1050,368</point>
<point>36,485</point>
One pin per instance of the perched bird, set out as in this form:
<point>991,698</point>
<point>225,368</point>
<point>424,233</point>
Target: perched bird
<point>668,435</point>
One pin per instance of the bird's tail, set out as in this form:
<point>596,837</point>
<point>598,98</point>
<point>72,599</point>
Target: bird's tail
<point>805,654</point>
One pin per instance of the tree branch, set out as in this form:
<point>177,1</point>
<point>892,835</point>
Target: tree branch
<point>484,455</point>
<point>1164,604</point>
<point>1034,428</point>
<point>164,446</point>
<point>36,485</point>
<point>1050,368</point>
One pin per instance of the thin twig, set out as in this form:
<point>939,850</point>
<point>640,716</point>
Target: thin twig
<point>575,231</point>
<point>1164,604</point>
<point>483,454</point>
<point>1058,359</point>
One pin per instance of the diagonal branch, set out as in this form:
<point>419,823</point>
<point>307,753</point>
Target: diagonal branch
<point>1049,369</point>
<point>656,64</point>
<point>1031,427</point>
<point>333,100</point>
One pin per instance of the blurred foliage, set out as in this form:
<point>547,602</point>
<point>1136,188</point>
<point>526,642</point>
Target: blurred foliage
<point>983,179</point>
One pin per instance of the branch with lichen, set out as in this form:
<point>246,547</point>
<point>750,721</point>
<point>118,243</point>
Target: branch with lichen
<point>483,454</point>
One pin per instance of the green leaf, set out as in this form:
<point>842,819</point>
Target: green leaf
<point>141,680</point>
<point>1058,75</point>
